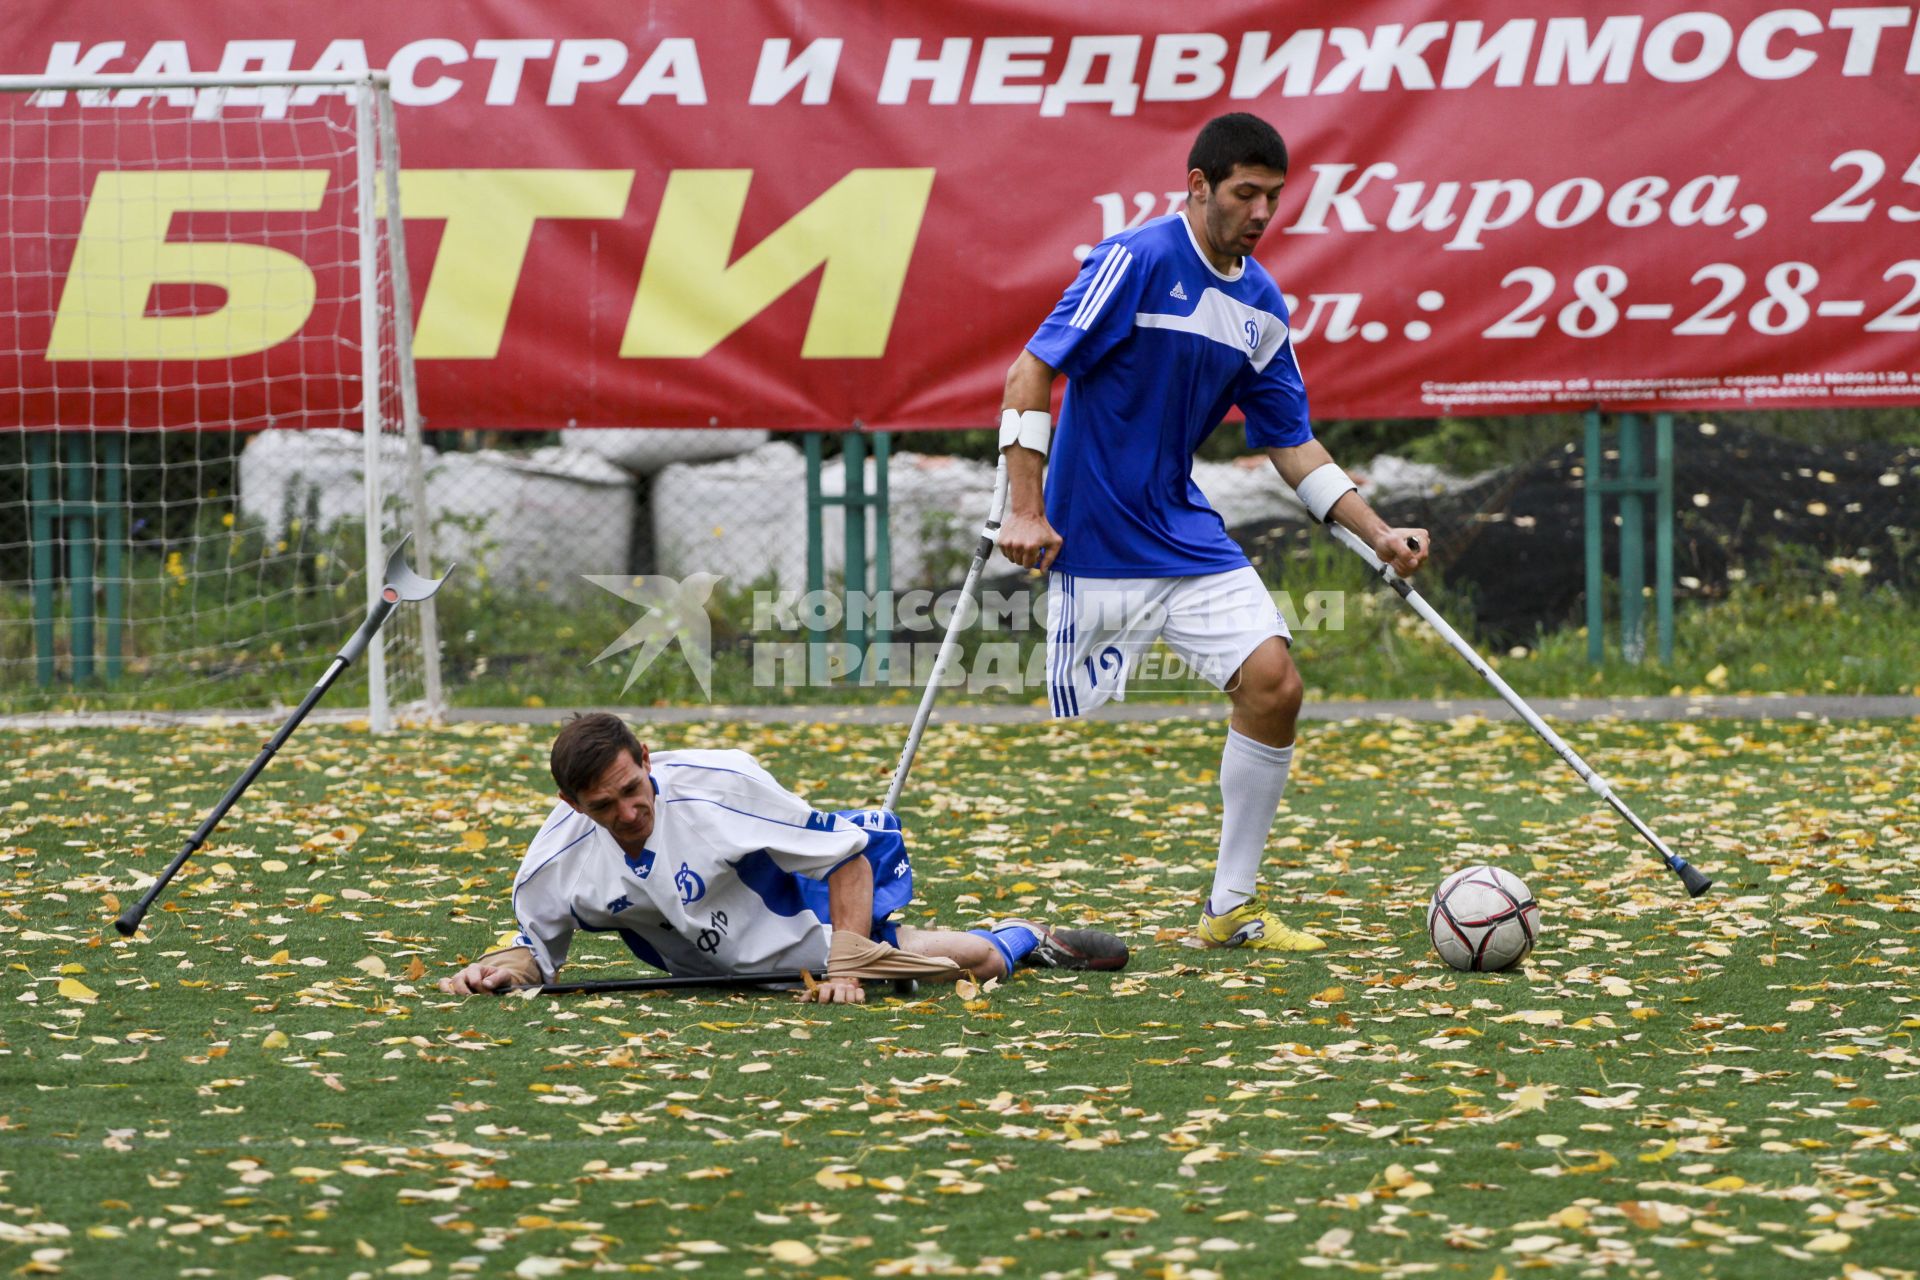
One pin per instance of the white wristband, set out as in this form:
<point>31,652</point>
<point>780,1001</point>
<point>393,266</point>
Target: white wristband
<point>1032,429</point>
<point>1325,485</point>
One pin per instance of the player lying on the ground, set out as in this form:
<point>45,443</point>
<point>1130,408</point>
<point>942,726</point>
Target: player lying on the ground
<point>703,864</point>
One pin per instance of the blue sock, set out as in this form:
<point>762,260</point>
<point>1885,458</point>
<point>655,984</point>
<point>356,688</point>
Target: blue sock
<point>1014,942</point>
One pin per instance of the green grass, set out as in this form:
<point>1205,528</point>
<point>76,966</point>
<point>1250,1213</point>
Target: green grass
<point>1722,1088</point>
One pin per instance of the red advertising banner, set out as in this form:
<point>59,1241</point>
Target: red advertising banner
<point>812,216</point>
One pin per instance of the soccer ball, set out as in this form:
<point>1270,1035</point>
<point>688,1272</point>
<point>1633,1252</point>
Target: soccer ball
<point>1483,919</point>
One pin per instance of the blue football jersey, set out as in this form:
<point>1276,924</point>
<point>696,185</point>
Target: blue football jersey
<point>1157,347</point>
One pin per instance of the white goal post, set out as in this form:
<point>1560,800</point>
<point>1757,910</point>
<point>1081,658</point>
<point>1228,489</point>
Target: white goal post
<point>206,372</point>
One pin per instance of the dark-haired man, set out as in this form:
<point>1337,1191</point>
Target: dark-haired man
<point>704,865</point>
<point>1168,327</point>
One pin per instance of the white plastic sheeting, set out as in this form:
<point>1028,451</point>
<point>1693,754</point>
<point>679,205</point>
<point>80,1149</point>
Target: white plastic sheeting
<point>746,518</point>
<point>645,450</point>
<point>540,520</point>
<point>517,519</point>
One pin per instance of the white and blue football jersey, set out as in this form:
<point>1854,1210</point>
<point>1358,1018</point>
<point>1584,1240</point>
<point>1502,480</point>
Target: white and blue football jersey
<point>1158,346</point>
<point>732,880</point>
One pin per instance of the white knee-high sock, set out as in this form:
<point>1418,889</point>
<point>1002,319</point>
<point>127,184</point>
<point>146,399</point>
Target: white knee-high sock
<point>1253,777</point>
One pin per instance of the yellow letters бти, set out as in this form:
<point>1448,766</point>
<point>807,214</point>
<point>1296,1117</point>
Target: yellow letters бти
<point>862,229</point>
<point>123,252</point>
<point>859,234</point>
<point>490,215</point>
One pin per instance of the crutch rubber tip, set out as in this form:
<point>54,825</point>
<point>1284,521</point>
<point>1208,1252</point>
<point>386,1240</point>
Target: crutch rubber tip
<point>127,925</point>
<point>1697,881</point>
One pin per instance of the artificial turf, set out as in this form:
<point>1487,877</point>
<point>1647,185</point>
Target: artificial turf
<point>266,1082</point>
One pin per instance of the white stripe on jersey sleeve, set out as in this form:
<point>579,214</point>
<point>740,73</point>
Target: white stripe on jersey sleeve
<point>1100,273</point>
<point>1101,288</point>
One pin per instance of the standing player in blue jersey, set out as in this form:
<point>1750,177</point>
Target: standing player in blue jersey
<point>1168,327</point>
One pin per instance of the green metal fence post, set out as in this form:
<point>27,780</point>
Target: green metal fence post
<point>79,512</point>
<point>1663,531</point>
<point>44,537</point>
<point>882,534</point>
<point>864,582</point>
<point>816,548</point>
<point>1631,486</point>
<point>853,454</point>
<point>1633,550</point>
<point>114,531</point>
<point>1596,547</point>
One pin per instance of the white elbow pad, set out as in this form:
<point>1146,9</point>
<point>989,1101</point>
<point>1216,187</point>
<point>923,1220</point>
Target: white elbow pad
<point>1324,486</point>
<point>1031,429</point>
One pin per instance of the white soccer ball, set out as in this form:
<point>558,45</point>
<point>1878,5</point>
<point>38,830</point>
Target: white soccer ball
<point>1483,919</point>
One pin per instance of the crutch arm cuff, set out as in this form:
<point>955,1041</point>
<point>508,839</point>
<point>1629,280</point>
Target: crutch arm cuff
<point>1028,428</point>
<point>1324,486</point>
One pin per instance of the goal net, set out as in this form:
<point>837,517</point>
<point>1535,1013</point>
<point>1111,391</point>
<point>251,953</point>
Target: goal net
<point>209,442</point>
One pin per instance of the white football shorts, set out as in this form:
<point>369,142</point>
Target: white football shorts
<point>1100,632</point>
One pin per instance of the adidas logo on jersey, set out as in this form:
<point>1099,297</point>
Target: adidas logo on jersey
<point>1178,291</point>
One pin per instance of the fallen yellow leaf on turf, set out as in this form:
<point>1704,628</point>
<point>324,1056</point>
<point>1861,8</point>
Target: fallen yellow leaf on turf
<point>274,1040</point>
<point>1572,1218</point>
<point>1728,1183</point>
<point>838,1179</point>
<point>416,970</point>
<point>1332,995</point>
<point>473,841</point>
<point>1665,1149</point>
<point>74,989</point>
<point>1831,1242</point>
<point>371,965</point>
<point>792,1252</point>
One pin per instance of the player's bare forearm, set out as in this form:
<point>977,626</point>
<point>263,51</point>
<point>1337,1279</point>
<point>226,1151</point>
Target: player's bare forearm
<point>1029,387</point>
<point>850,906</point>
<point>1025,536</point>
<point>850,895</point>
<point>1404,549</point>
